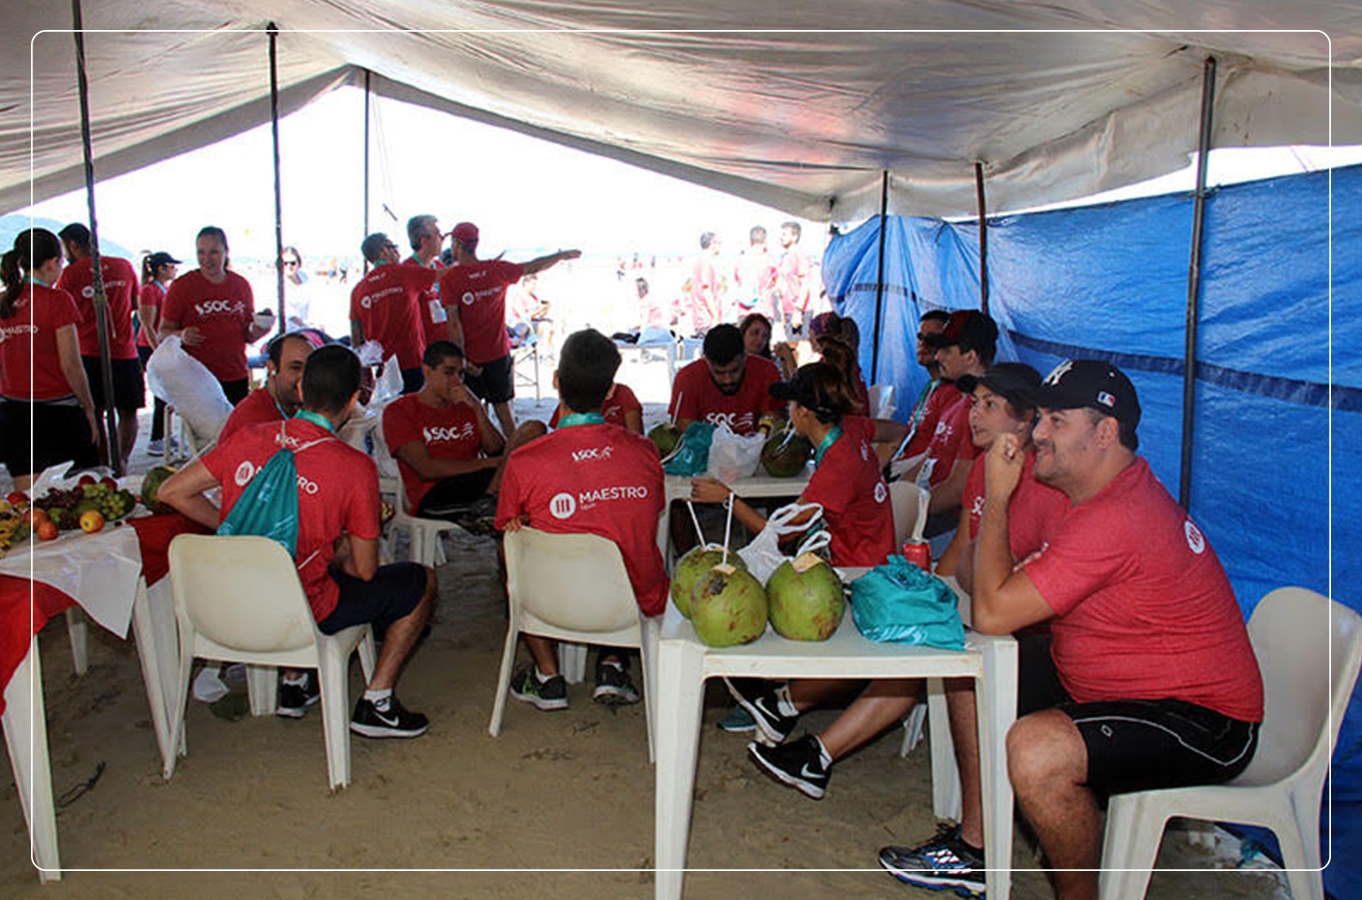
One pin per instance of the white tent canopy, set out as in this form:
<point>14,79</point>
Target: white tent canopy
<point>772,101</point>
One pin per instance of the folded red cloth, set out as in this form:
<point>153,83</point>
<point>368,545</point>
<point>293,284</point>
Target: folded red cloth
<point>16,632</point>
<point>154,534</point>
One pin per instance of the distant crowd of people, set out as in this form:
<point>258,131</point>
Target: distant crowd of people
<point>1136,670</point>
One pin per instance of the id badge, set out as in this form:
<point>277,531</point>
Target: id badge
<point>437,312</point>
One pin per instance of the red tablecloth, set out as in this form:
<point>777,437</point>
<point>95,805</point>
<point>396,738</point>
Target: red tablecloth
<point>154,534</point>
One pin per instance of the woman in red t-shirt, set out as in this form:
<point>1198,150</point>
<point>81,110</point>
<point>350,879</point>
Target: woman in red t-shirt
<point>158,271</point>
<point>41,377</point>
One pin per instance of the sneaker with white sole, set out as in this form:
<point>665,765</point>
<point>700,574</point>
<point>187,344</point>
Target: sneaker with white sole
<point>739,721</point>
<point>392,720</point>
<point>614,687</point>
<point>546,695</point>
<point>156,448</point>
<point>943,863</point>
<point>798,764</point>
<point>294,699</point>
<point>760,698</point>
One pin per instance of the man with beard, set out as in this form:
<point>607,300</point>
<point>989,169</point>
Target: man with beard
<point>727,385</point>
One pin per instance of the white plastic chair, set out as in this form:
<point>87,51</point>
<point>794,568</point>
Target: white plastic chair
<point>881,401</point>
<point>423,535</point>
<point>572,587</point>
<point>1295,632</point>
<point>238,599</point>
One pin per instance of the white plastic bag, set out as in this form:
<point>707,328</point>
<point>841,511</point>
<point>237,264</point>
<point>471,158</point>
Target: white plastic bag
<point>389,385</point>
<point>733,456</point>
<point>763,554</point>
<point>186,384</point>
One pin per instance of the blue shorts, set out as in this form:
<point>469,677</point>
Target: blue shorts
<point>393,592</point>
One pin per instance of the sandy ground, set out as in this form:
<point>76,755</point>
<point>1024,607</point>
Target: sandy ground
<point>563,790</point>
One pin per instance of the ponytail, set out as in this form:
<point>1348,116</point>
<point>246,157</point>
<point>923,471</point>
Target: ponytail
<point>148,272</point>
<point>32,248</point>
<point>14,283</point>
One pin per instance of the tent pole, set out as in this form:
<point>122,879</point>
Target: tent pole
<point>273,31</point>
<point>879,280</point>
<point>367,97</point>
<point>983,236</point>
<point>101,300</point>
<point>1194,283</point>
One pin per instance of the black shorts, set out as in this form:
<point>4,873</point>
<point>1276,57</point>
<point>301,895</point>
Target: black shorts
<point>128,388</point>
<point>496,384</point>
<point>1138,745</point>
<point>393,592</point>
<point>236,389</point>
<point>413,380</point>
<point>451,496</point>
<point>59,433</point>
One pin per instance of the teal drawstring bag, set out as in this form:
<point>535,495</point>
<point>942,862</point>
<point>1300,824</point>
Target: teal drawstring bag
<point>691,456</point>
<point>899,603</point>
<point>268,507</point>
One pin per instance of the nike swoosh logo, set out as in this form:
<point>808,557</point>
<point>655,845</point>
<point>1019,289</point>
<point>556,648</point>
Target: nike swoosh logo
<point>804,770</point>
<point>385,719</point>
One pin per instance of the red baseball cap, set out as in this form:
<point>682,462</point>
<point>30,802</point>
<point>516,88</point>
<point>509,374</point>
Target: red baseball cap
<point>465,232</point>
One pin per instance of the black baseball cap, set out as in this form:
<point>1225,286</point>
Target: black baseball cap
<point>1016,382</point>
<point>802,390</point>
<point>161,258</point>
<point>970,330</point>
<point>1091,384</point>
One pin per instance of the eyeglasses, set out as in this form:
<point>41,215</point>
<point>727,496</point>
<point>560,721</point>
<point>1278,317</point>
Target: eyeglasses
<point>292,262</point>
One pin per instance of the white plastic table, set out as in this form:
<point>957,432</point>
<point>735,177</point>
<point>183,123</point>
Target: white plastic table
<point>102,573</point>
<point>684,663</point>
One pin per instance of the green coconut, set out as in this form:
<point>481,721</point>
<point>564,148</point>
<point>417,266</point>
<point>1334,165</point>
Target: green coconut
<point>691,567</point>
<point>728,607</point>
<point>151,484</point>
<point>665,437</point>
<point>784,456</point>
<point>806,599</point>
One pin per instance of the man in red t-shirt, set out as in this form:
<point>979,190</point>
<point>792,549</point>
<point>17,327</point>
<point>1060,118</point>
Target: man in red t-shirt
<point>120,287</point>
<point>384,307</point>
<point>474,294</point>
<point>282,394</point>
<point>727,385</point>
<point>794,282</point>
<point>338,529</point>
<point>966,346</point>
<point>448,452</point>
<point>705,289</point>
<point>594,478</point>
<point>935,397</point>
<point>1150,681</point>
<point>622,408</point>
<point>423,232</point>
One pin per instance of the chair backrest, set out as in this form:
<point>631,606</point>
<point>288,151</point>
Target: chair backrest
<point>572,581</point>
<point>881,401</point>
<point>906,498</point>
<point>1294,633</point>
<point>241,592</point>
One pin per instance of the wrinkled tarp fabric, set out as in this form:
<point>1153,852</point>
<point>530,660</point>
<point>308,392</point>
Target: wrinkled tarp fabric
<point>1111,281</point>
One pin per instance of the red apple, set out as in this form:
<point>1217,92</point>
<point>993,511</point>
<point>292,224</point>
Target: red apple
<point>86,480</point>
<point>46,531</point>
<point>17,498</point>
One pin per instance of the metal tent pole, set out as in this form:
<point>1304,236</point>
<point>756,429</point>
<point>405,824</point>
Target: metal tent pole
<point>273,31</point>
<point>367,98</point>
<point>1194,283</point>
<point>879,280</point>
<point>101,300</point>
<point>983,236</point>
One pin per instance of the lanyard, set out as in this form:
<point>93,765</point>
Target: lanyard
<point>828,440</point>
<point>34,279</point>
<point>590,418</point>
<point>308,415</point>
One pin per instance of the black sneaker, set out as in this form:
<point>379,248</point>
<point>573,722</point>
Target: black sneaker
<point>798,764</point>
<point>758,697</point>
<point>943,863</point>
<point>391,721</point>
<point>614,687</point>
<point>551,694</point>
<point>294,699</point>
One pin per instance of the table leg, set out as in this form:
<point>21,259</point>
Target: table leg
<point>680,690</point>
<point>25,725</point>
<point>996,701</point>
<point>78,630</point>
<point>158,659</point>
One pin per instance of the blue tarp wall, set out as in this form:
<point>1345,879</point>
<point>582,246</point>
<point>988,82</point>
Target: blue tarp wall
<point>1277,461</point>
